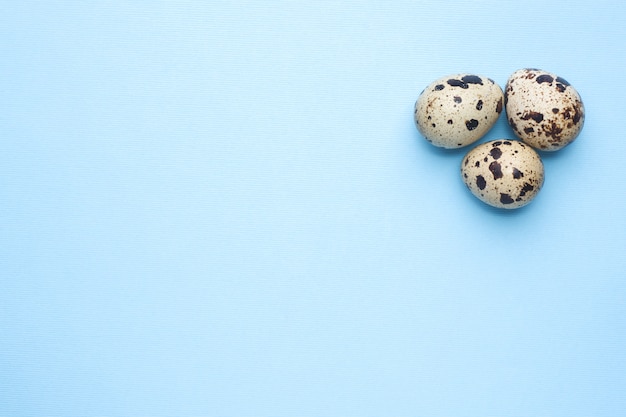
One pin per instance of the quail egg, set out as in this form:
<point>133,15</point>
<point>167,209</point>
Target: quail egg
<point>543,109</point>
<point>457,110</point>
<point>503,173</point>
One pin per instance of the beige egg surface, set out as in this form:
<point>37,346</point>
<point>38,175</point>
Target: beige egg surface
<point>503,173</point>
<point>543,109</point>
<point>457,110</point>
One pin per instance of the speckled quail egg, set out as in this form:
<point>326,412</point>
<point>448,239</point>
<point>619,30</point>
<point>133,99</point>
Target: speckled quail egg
<point>543,109</point>
<point>503,173</point>
<point>457,110</point>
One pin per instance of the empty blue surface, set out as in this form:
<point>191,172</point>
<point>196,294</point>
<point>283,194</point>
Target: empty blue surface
<point>224,209</point>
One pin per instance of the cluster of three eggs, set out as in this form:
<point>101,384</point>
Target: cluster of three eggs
<point>544,111</point>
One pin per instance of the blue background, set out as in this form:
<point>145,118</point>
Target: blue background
<point>224,209</point>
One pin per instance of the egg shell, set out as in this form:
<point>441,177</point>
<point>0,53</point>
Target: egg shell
<point>457,110</point>
<point>503,173</point>
<point>543,109</point>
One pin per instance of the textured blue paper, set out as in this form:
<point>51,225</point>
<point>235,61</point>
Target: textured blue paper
<point>224,209</point>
